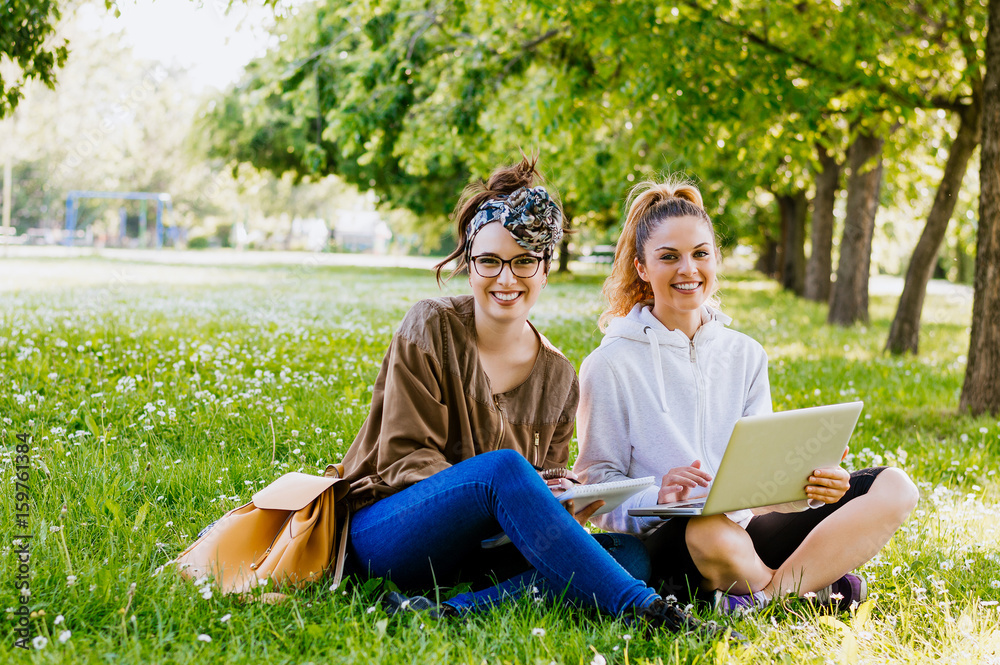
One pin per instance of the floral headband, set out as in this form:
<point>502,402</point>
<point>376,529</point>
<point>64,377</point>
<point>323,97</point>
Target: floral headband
<point>530,216</point>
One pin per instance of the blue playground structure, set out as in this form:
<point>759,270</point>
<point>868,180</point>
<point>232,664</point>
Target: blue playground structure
<point>73,204</point>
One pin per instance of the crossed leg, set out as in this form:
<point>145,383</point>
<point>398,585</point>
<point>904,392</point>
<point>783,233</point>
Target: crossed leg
<point>850,534</point>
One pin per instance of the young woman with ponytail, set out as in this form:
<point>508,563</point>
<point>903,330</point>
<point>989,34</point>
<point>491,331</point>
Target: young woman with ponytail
<point>468,435</point>
<point>660,397</point>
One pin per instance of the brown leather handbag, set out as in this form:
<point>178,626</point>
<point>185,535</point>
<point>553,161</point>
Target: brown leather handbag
<point>291,532</point>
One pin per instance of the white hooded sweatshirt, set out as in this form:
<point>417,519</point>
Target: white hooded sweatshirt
<point>651,400</point>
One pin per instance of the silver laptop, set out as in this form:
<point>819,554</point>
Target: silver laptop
<point>769,459</point>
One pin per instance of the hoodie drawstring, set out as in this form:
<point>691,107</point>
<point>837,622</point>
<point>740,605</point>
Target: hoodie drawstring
<point>657,366</point>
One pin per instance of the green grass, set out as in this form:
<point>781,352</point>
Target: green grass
<point>150,392</point>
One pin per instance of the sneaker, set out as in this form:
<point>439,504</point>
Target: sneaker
<point>396,603</point>
<point>844,593</point>
<point>667,615</point>
<point>735,604</point>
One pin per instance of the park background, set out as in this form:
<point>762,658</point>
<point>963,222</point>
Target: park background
<point>838,147</point>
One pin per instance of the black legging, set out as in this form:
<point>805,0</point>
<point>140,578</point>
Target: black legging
<point>775,536</point>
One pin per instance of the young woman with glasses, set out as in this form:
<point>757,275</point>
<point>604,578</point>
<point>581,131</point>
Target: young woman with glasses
<point>470,408</point>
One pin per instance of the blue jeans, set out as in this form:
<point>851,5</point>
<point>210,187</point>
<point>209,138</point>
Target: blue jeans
<point>430,535</point>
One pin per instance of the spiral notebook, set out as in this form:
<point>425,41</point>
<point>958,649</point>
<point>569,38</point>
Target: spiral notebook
<point>613,494</point>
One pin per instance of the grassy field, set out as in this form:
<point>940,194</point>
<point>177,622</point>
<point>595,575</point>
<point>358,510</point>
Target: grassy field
<point>149,393</point>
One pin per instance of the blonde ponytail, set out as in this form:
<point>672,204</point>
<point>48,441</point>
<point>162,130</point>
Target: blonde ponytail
<point>649,203</point>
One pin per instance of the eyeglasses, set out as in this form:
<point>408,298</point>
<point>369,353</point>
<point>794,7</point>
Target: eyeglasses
<point>523,266</point>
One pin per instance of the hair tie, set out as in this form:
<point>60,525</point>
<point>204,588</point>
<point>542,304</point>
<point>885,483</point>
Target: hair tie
<point>528,214</point>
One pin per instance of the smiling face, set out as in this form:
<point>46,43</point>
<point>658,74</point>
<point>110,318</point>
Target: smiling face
<point>680,262</point>
<point>503,299</point>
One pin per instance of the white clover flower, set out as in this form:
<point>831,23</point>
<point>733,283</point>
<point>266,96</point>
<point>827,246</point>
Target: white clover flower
<point>995,584</point>
<point>207,593</point>
<point>64,636</point>
<point>983,430</point>
<point>59,619</point>
<point>599,660</point>
<point>538,632</point>
<point>225,617</point>
<point>626,637</point>
<point>55,528</point>
<point>39,642</point>
<point>204,638</point>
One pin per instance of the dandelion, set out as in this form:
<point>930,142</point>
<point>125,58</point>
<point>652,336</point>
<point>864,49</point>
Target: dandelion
<point>538,632</point>
<point>39,642</point>
<point>64,636</point>
<point>204,638</point>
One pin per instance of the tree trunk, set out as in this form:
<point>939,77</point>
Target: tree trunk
<point>872,212</point>
<point>767,254</point>
<point>820,265</point>
<point>793,209</point>
<point>564,254</point>
<point>849,301</point>
<point>981,390</point>
<point>904,335</point>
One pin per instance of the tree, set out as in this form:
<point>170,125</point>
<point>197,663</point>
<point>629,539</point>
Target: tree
<point>412,101</point>
<point>966,101</point>
<point>26,31</point>
<point>794,208</point>
<point>904,334</point>
<point>849,302</point>
<point>820,265</point>
<point>981,389</point>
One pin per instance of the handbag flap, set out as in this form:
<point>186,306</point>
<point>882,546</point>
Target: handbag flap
<point>293,491</point>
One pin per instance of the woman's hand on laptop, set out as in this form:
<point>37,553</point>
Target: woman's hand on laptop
<point>681,481</point>
<point>828,484</point>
